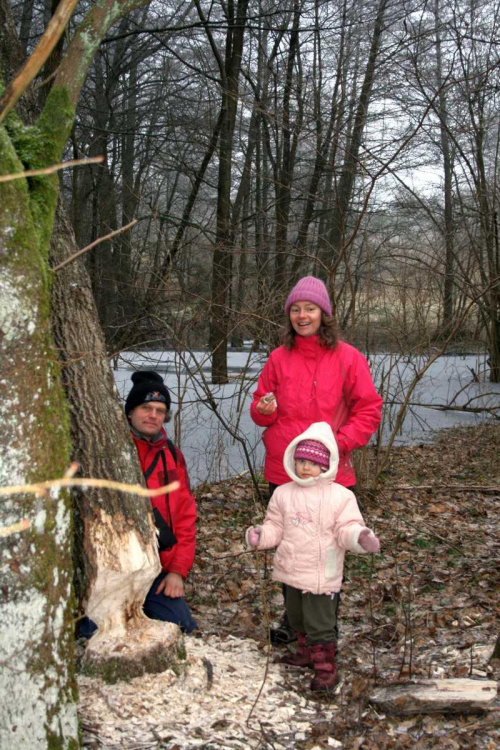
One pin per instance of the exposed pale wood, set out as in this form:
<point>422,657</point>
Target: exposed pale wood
<point>150,647</point>
<point>436,696</point>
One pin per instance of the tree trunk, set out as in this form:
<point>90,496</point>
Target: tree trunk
<point>449,230</point>
<point>37,704</point>
<point>287,163</point>
<point>221,266</point>
<point>350,167</point>
<point>118,559</point>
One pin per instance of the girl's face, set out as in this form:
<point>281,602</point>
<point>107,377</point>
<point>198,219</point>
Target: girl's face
<point>305,318</point>
<point>305,469</point>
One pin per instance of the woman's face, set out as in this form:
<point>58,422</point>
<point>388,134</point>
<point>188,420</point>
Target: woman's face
<point>305,318</point>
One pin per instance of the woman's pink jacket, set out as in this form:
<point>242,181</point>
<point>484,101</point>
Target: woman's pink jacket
<point>312,522</point>
<point>315,384</point>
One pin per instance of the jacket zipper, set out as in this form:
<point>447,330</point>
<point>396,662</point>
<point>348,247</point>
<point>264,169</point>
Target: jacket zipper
<point>319,542</point>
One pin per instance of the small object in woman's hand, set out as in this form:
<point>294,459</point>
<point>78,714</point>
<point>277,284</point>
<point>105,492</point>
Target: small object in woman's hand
<point>269,397</point>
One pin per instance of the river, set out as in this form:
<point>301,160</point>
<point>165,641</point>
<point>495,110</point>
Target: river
<point>212,453</point>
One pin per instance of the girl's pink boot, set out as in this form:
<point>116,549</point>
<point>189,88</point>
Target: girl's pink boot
<point>325,672</point>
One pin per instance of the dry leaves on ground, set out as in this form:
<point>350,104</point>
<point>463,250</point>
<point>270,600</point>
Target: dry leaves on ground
<point>427,606</point>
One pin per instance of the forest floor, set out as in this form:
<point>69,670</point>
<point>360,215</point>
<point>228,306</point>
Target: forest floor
<point>427,606</point>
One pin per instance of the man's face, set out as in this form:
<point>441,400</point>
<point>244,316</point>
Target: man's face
<point>148,418</point>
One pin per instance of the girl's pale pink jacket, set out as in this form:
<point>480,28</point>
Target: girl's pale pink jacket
<point>312,522</point>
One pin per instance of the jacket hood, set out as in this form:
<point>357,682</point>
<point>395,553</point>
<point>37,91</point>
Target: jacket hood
<point>322,432</point>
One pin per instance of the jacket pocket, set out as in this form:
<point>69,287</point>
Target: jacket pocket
<point>331,564</point>
<point>284,555</point>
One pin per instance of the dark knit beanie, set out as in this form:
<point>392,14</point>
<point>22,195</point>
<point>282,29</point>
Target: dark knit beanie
<point>148,386</point>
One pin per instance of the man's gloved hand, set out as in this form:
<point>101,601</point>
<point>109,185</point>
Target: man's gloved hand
<point>252,536</point>
<point>369,541</point>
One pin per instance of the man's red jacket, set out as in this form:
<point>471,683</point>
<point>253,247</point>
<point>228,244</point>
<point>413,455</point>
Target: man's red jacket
<point>177,508</point>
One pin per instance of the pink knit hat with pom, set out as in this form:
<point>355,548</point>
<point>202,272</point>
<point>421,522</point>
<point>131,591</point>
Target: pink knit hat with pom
<point>309,289</point>
<point>313,450</point>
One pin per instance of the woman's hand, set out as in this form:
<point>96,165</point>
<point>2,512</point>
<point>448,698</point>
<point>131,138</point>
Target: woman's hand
<point>267,404</point>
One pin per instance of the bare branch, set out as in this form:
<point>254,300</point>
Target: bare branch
<point>94,243</point>
<point>52,169</point>
<point>34,63</point>
<point>42,487</point>
<point>14,528</point>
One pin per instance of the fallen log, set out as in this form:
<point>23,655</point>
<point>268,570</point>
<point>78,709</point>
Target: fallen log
<point>463,696</point>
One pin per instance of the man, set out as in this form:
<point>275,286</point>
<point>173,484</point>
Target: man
<point>147,408</point>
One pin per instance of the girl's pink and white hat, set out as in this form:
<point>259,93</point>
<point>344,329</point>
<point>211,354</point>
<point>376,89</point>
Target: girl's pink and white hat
<point>313,450</point>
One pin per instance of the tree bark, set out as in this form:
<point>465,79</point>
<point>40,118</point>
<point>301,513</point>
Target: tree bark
<point>36,652</point>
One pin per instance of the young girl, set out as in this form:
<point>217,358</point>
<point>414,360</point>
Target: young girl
<point>312,521</point>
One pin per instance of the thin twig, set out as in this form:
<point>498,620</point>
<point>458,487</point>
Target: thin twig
<point>372,620</point>
<point>14,528</point>
<point>446,487</point>
<point>267,624</point>
<point>52,169</point>
<point>94,243</point>
<point>42,487</point>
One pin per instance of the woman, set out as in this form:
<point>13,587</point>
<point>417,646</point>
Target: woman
<point>314,377</point>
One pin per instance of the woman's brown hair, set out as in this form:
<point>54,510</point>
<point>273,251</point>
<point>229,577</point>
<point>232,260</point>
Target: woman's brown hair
<point>328,332</point>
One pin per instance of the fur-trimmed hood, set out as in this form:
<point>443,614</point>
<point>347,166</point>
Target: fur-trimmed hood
<point>322,432</point>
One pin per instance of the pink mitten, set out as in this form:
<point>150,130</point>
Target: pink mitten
<point>368,541</point>
<point>253,535</point>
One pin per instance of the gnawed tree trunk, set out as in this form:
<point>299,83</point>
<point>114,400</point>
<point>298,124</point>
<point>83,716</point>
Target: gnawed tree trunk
<point>118,558</point>
<point>436,696</point>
